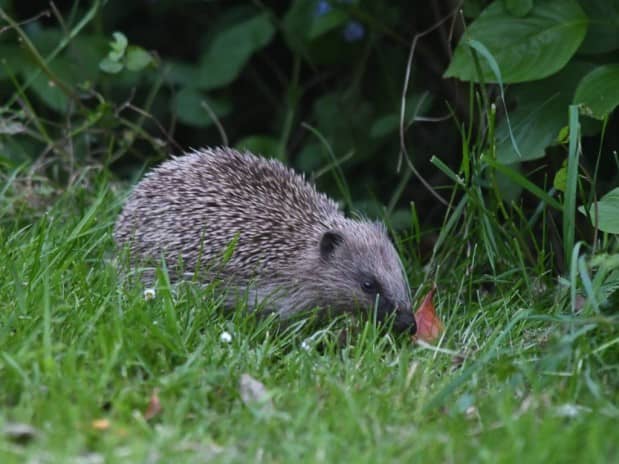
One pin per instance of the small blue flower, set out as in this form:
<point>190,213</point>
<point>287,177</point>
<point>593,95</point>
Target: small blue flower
<point>322,8</point>
<point>353,31</point>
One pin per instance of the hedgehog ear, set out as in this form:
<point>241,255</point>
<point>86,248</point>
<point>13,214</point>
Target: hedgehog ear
<point>329,241</point>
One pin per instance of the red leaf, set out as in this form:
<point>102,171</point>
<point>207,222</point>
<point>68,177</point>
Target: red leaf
<point>429,326</point>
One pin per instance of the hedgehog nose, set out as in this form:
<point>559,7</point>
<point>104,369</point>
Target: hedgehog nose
<point>405,321</point>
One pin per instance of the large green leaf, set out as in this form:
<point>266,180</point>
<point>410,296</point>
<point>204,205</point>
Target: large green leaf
<point>598,91</point>
<point>603,33</point>
<point>540,113</point>
<point>607,212</point>
<point>518,7</point>
<point>528,48</point>
<point>472,8</point>
<point>48,92</point>
<point>231,49</point>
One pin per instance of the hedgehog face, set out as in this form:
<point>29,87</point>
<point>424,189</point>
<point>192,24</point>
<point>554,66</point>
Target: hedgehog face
<point>363,269</point>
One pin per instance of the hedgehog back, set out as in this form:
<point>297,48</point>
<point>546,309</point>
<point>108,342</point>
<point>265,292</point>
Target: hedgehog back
<point>194,206</point>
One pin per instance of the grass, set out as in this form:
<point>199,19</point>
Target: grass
<point>517,377</point>
<point>527,369</point>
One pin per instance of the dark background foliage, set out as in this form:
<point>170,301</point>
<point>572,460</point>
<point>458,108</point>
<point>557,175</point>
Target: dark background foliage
<point>347,83</point>
<point>318,84</point>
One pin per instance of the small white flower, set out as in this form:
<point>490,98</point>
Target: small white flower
<point>225,337</point>
<point>570,410</point>
<point>149,294</point>
<point>471,412</point>
<point>306,345</point>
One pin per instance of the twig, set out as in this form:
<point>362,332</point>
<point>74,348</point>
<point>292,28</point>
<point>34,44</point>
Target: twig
<point>213,116</point>
<point>44,13</point>
<point>403,150</point>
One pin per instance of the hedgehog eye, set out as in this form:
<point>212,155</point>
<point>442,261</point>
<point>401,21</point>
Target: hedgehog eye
<point>369,286</point>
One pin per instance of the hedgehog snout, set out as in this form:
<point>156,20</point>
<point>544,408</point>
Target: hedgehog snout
<point>405,321</point>
<point>401,314</point>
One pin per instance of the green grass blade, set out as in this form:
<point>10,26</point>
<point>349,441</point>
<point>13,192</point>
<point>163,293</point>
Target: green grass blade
<point>569,204</point>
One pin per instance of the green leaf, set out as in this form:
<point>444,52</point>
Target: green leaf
<point>110,66</point>
<point>598,91</point>
<point>603,35</point>
<point>49,93</point>
<point>46,39</point>
<point>47,90</point>
<point>564,132</point>
<point>525,49</point>
<point>560,180</point>
<point>118,46</point>
<point>230,51</point>
<point>518,8</point>
<point>607,212</point>
<point>137,58</point>
<point>472,8</point>
<point>191,107</point>
<point>539,114</point>
<point>297,23</point>
<point>184,74</point>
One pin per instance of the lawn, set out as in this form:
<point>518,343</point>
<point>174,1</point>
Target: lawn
<point>515,225</point>
<point>519,375</point>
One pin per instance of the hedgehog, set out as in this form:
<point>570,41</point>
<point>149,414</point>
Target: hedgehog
<point>266,234</point>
